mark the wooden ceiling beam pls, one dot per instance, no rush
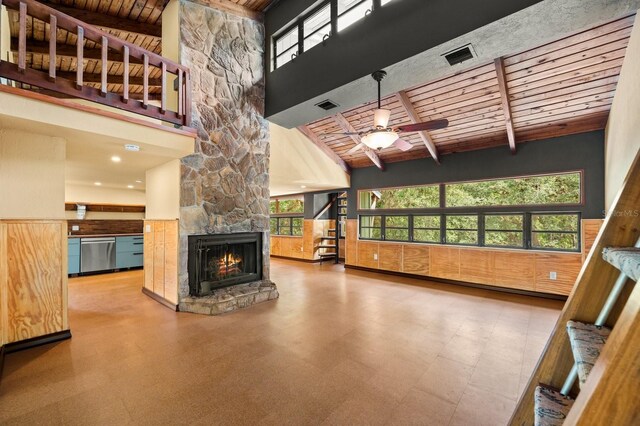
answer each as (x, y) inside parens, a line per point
(324, 148)
(506, 105)
(70, 51)
(347, 127)
(102, 20)
(413, 115)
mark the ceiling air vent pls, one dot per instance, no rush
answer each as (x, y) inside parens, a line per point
(460, 55)
(326, 105)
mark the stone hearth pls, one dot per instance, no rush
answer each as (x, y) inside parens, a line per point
(229, 299)
(225, 183)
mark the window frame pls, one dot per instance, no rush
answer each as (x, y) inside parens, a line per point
(523, 231)
(578, 231)
(302, 36)
(414, 227)
(290, 227)
(407, 228)
(478, 230)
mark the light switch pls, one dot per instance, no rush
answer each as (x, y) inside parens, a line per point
(553, 275)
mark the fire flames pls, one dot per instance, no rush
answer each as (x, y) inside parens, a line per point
(227, 264)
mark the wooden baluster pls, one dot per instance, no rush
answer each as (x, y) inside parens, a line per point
(187, 99)
(105, 65)
(163, 102)
(180, 92)
(53, 38)
(80, 56)
(145, 81)
(22, 38)
(125, 82)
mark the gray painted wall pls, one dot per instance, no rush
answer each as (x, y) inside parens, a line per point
(395, 32)
(584, 151)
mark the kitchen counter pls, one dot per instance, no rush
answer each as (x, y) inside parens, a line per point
(106, 235)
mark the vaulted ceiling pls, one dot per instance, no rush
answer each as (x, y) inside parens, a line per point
(560, 88)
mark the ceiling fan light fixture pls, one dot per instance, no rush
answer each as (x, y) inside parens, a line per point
(381, 117)
(380, 140)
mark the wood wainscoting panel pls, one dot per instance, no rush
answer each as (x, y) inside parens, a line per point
(368, 255)
(514, 269)
(285, 246)
(158, 258)
(590, 229)
(149, 253)
(390, 257)
(309, 231)
(415, 259)
(171, 261)
(566, 266)
(275, 246)
(351, 242)
(444, 262)
(34, 286)
(296, 246)
(476, 266)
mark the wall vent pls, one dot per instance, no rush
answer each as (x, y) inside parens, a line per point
(327, 105)
(460, 55)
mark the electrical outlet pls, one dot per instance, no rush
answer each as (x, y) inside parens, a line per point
(553, 275)
(375, 256)
(75, 227)
(147, 228)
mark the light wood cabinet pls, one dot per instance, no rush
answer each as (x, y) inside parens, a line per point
(161, 250)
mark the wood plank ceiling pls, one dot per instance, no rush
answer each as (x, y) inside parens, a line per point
(137, 21)
(560, 88)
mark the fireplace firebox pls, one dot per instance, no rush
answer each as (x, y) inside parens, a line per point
(223, 260)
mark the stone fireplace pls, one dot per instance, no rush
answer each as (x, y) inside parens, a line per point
(225, 183)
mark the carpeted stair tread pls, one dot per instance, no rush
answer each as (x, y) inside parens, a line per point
(587, 341)
(626, 259)
(551, 407)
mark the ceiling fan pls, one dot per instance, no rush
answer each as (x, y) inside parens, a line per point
(380, 135)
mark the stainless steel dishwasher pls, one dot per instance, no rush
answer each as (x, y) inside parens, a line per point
(97, 254)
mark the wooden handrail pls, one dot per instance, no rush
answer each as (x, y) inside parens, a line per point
(48, 80)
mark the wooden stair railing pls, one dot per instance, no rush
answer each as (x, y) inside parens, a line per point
(602, 320)
(76, 88)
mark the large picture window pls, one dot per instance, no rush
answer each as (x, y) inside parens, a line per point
(556, 189)
(286, 205)
(411, 197)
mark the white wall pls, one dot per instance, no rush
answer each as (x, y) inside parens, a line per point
(295, 162)
(622, 140)
(91, 194)
(163, 191)
(31, 175)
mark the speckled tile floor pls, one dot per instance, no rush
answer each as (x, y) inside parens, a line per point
(338, 347)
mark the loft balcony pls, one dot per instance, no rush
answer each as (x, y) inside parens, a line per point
(54, 55)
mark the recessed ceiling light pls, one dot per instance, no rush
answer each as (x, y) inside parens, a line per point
(97, 183)
(116, 159)
(132, 147)
(303, 186)
(130, 186)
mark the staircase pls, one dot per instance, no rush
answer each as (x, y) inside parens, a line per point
(589, 372)
(328, 242)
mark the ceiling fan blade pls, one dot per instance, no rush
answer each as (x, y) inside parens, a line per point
(427, 125)
(402, 145)
(354, 149)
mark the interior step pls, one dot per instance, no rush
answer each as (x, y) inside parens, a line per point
(328, 237)
(327, 254)
(627, 260)
(551, 407)
(587, 340)
(327, 246)
(331, 230)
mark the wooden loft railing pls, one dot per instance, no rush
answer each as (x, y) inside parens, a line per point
(76, 88)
